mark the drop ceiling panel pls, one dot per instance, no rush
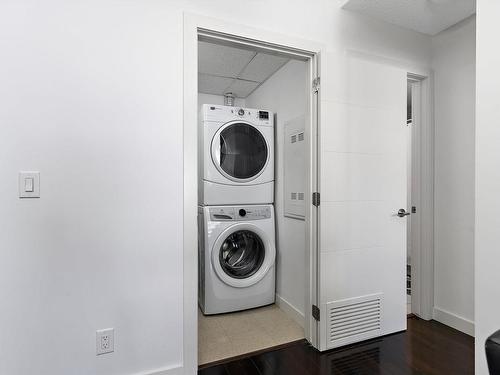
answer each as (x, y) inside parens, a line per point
(425, 16)
(209, 84)
(225, 69)
(262, 67)
(222, 60)
(241, 88)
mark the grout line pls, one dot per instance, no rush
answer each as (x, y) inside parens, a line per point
(239, 74)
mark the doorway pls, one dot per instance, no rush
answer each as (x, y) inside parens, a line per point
(236, 86)
(420, 202)
(333, 250)
(412, 170)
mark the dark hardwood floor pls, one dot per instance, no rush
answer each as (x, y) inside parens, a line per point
(425, 348)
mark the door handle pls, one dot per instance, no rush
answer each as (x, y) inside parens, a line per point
(402, 212)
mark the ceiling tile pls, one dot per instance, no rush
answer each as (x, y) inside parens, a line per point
(222, 60)
(262, 67)
(241, 88)
(208, 84)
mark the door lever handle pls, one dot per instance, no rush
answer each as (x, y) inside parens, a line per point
(402, 212)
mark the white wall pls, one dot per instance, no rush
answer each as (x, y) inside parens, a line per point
(91, 97)
(216, 99)
(454, 102)
(285, 93)
(487, 233)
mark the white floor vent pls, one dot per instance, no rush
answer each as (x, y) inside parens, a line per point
(354, 319)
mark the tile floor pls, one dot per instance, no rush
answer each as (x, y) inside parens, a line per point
(229, 335)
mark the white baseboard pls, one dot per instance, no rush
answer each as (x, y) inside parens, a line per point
(179, 370)
(290, 310)
(454, 321)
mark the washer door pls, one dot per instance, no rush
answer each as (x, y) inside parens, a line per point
(240, 151)
(242, 255)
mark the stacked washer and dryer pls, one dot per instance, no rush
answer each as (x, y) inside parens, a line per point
(237, 248)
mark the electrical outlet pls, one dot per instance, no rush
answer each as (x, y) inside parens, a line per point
(105, 341)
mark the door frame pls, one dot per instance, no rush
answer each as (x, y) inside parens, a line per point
(422, 226)
(196, 26)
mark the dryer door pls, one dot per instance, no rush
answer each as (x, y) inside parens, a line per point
(242, 255)
(240, 151)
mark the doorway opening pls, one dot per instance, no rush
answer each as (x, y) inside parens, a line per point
(420, 140)
(412, 209)
(337, 293)
(256, 174)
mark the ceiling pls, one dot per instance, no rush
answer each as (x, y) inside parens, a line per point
(223, 69)
(425, 16)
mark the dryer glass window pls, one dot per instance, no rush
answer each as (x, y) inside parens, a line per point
(242, 254)
(243, 151)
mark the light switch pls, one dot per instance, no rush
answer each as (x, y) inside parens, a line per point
(29, 184)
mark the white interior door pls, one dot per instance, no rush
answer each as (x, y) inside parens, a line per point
(363, 184)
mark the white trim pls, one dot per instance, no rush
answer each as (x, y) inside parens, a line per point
(414, 220)
(290, 310)
(280, 42)
(164, 371)
(317, 69)
(422, 257)
(458, 322)
(427, 198)
(190, 209)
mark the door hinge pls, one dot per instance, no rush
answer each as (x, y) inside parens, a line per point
(315, 312)
(316, 199)
(316, 84)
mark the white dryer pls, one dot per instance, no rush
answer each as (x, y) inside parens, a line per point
(236, 149)
(237, 253)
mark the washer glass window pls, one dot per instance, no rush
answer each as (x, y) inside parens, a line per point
(243, 151)
(242, 254)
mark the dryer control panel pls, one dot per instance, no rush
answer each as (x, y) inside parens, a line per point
(223, 113)
(243, 213)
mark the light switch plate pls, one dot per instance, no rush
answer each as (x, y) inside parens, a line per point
(29, 184)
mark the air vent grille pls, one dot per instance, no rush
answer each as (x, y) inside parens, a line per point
(354, 319)
(300, 137)
(293, 138)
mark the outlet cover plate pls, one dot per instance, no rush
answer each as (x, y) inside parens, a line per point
(105, 341)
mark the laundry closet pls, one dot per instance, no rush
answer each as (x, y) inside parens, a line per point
(253, 108)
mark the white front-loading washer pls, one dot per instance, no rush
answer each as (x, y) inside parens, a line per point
(236, 150)
(237, 253)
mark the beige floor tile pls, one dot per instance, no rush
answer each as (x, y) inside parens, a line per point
(228, 335)
(252, 341)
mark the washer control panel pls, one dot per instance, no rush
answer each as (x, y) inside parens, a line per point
(245, 213)
(212, 112)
